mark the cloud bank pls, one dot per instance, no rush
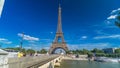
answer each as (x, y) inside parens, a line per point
(28, 37)
(108, 36)
(89, 46)
(114, 14)
(5, 41)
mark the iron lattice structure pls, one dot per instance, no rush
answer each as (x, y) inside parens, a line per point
(59, 41)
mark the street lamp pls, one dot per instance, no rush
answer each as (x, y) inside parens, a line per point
(21, 42)
(0, 45)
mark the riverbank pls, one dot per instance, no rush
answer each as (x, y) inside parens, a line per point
(81, 57)
(86, 64)
(98, 59)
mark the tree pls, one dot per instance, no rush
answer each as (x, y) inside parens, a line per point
(90, 54)
(16, 49)
(43, 51)
(117, 51)
(85, 51)
(23, 50)
(29, 51)
(117, 22)
(69, 52)
(97, 51)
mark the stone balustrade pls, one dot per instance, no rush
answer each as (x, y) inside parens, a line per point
(27, 62)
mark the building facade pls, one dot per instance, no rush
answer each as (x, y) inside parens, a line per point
(109, 50)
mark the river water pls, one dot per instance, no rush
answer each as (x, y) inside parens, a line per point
(86, 64)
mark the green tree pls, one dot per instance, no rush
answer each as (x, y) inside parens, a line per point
(69, 52)
(97, 51)
(117, 51)
(23, 50)
(16, 49)
(117, 22)
(30, 51)
(90, 54)
(100, 54)
(85, 51)
(74, 51)
(43, 51)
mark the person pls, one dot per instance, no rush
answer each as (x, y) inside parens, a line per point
(30, 54)
(77, 56)
(24, 54)
(20, 54)
(36, 54)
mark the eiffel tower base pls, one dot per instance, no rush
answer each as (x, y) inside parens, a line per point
(56, 46)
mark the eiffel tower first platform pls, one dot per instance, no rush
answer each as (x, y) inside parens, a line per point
(59, 41)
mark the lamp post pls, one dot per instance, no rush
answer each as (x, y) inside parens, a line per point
(0, 45)
(21, 42)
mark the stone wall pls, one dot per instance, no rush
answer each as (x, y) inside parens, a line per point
(26, 62)
(3, 61)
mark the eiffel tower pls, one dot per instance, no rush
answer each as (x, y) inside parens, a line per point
(59, 41)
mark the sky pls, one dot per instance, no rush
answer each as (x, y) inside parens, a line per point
(86, 23)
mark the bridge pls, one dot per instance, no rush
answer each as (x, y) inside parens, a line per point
(43, 61)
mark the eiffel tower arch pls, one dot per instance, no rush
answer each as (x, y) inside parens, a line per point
(59, 41)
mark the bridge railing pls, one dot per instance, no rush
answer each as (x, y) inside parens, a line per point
(27, 62)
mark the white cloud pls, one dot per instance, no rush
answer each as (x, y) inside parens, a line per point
(5, 41)
(47, 48)
(28, 38)
(36, 46)
(46, 39)
(100, 32)
(109, 36)
(1, 6)
(115, 11)
(73, 46)
(112, 17)
(17, 46)
(114, 14)
(84, 37)
(51, 32)
(88, 46)
(108, 22)
(8, 42)
(32, 46)
(28, 47)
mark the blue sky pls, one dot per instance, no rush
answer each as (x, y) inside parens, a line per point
(86, 23)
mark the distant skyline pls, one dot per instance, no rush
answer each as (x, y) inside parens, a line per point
(86, 23)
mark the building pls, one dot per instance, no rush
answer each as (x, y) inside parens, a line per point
(8, 53)
(2, 52)
(11, 53)
(109, 50)
(3, 58)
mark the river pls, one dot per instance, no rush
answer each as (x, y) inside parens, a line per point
(86, 64)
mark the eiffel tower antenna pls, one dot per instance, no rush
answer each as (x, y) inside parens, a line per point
(59, 28)
(60, 2)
